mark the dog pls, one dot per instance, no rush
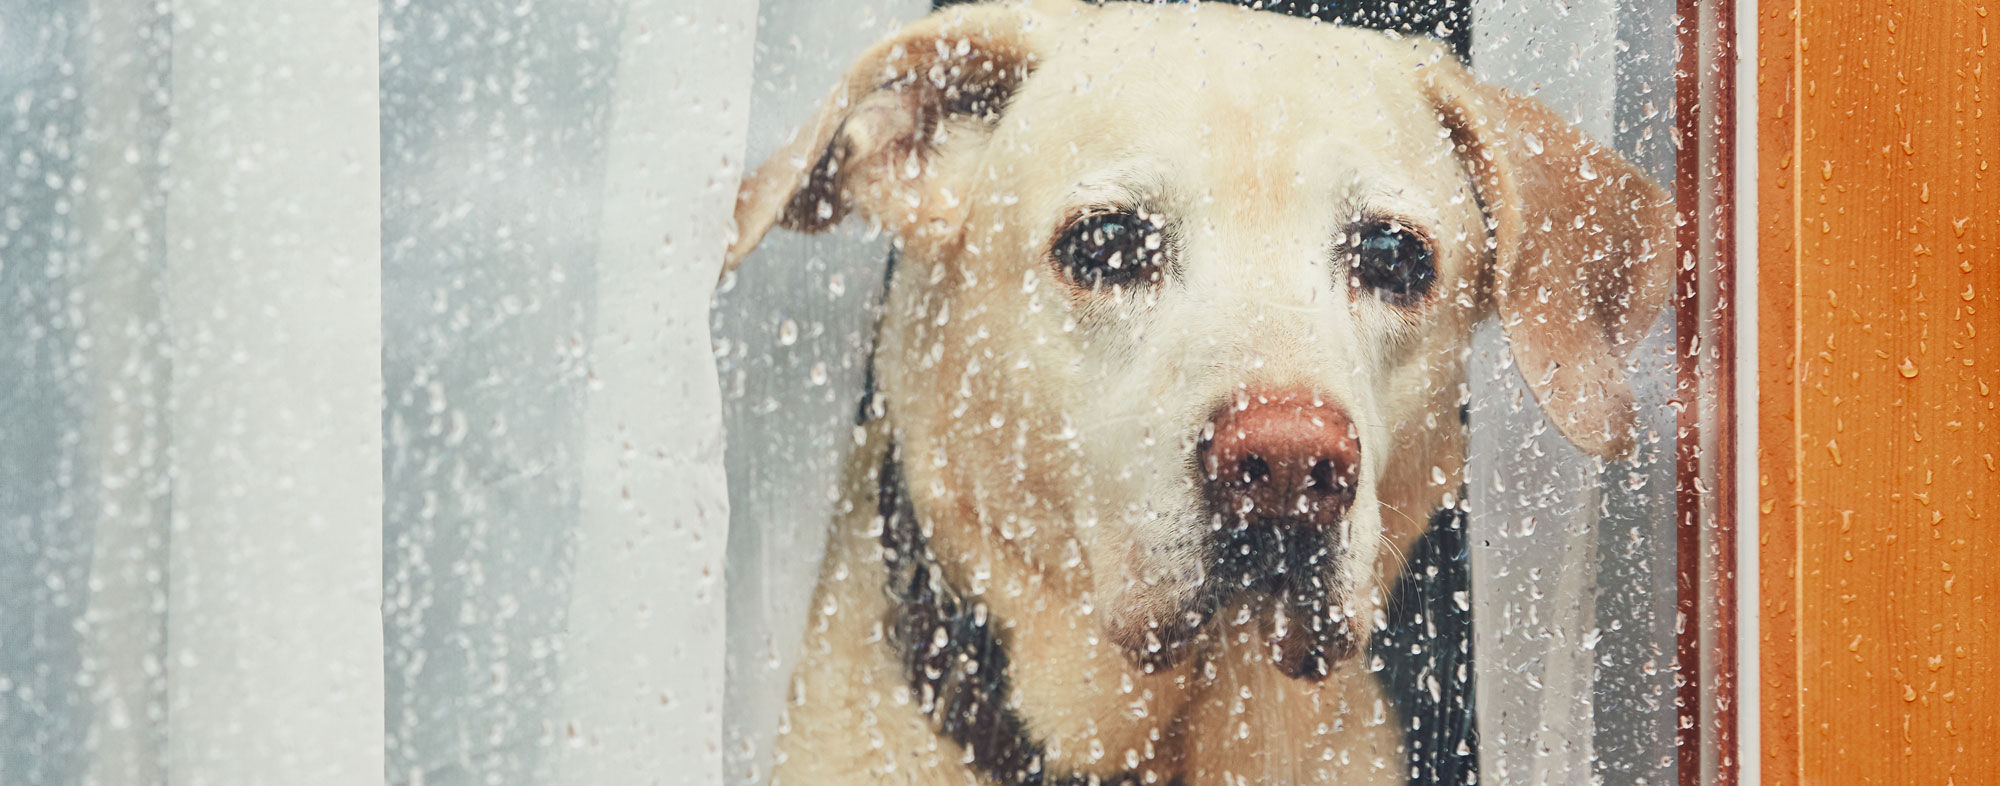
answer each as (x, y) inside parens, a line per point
(1167, 380)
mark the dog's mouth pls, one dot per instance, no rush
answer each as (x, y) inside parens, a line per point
(1281, 574)
(1287, 575)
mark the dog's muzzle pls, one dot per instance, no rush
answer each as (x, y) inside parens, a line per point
(1279, 473)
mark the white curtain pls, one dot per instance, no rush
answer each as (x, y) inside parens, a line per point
(643, 688)
(272, 308)
(359, 420)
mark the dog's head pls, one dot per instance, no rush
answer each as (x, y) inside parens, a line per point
(1184, 289)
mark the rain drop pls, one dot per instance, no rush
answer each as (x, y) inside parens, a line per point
(1533, 142)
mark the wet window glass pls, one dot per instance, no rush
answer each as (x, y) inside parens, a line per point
(795, 392)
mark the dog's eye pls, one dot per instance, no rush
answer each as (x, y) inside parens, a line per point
(1114, 248)
(1396, 263)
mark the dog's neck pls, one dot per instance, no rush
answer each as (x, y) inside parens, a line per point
(953, 654)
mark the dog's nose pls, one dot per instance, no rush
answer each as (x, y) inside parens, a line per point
(1280, 457)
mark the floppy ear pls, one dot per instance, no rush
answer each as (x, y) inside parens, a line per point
(1583, 256)
(871, 147)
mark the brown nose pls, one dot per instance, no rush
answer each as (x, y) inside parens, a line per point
(1285, 457)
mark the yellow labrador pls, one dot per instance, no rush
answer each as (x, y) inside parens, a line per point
(1169, 372)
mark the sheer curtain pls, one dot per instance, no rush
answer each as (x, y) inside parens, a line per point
(358, 419)
(643, 689)
(273, 323)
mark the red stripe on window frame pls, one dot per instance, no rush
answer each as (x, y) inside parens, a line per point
(1705, 370)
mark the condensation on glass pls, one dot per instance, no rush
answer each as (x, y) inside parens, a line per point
(369, 388)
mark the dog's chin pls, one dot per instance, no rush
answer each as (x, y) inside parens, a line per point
(1306, 638)
(1291, 580)
(1283, 576)
(1306, 633)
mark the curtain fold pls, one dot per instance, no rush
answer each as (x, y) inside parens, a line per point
(121, 243)
(643, 665)
(272, 305)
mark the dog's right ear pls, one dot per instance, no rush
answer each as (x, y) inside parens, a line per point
(1583, 252)
(870, 149)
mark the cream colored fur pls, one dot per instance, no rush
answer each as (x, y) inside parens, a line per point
(1045, 430)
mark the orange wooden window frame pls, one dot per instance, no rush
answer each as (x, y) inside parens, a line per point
(1879, 220)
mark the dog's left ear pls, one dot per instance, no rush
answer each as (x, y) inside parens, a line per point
(1583, 256)
(872, 147)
